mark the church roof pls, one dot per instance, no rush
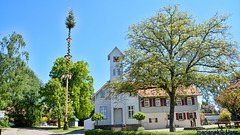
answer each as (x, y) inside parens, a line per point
(154, 92)
(112, 52)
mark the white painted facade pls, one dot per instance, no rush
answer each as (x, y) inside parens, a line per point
(119, 111)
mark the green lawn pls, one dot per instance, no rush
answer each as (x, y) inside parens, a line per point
(69, 130)
(3, 130)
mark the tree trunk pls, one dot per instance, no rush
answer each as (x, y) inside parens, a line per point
(235, 116)
(172, 105)
(59, 123)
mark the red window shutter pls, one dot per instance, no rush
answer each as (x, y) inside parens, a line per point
(150, 120)
(175, 101)
(142, 103)
(154, 102)
(188, 116)
(165, 102)
(162, 102)
(186, 101)
(156, 120)
(182, 101)
(177, 116)
(150, 100)
(184, 116)
(193, 102)
(195, 115)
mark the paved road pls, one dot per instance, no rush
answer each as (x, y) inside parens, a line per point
(36, 131)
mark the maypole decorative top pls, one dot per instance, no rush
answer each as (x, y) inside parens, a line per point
(70, 20)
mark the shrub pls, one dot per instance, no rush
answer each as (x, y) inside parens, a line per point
(140, 129)
(97, 117)
(139, 116)
(4, 122)
(225, 115)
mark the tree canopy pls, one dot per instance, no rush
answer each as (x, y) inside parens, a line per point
(19, 86)
(80, 85)
(54, 98)
(170, 50)
(230, 99)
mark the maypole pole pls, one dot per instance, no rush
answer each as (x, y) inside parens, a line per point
(69, 24)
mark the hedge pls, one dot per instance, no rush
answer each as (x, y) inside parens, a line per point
(193, 132)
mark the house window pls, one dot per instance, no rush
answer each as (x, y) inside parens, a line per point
(157, 100)
(153, 120)
(168, 102)
(114, 72)
(180, 116)
(179, 101)
(190, 115)
(130, 111)
(146, 102)
(118, 71)
(103, 110)
(102, 94)
(189, 101)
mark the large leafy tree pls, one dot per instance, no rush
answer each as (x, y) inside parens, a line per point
(54, 98)
(19, 86)
(80, 85)
(170, 50)
(230, 99)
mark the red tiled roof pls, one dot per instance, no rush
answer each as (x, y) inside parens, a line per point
(234, 84)
(154, 92)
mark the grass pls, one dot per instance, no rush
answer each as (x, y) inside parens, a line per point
(69, 130)
(3, 130)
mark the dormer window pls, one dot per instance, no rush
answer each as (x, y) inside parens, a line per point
(115, 59)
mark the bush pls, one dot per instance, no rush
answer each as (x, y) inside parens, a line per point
(62, 123)
(225, 115)
(140, 129)
(4, 122)
(97, 117)
(139, 116)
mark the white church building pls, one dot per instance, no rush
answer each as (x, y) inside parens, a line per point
(118, 113)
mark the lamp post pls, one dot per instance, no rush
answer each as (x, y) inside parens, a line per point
(69, 24)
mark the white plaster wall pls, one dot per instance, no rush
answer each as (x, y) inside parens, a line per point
(131, 101)
(163, 121)
(113, 64)
(103, 102)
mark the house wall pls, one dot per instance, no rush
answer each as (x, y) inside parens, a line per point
(162, 121)
(103, 102)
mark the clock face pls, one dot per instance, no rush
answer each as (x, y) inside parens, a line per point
(115, 59)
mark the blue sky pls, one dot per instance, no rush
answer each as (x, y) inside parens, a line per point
(101, 25)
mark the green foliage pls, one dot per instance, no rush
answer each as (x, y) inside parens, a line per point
(226, 115)
(4, 122)
(70, 20)
(140, 129)
(19, 86)
(139, 116)
(97, 117)
(80, 85)
(54, 98)
(230, 99)
(108, 132)
(170, 50)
